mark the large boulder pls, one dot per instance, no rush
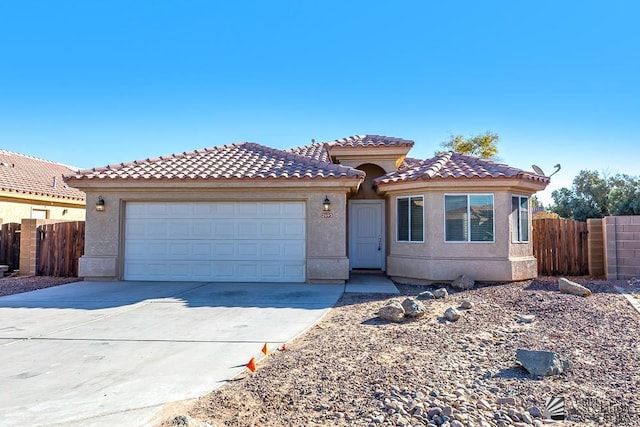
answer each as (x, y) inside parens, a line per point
(413, 308)
(542, 363)
(392, 311)
(451, 314)
(463, 283)
(569, 287)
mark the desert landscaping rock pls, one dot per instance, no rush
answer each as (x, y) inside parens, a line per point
(392, 312)
(568, 287)
(542, 363)
(526, 318)
(451, 314)
(362, 370)
(506, 401)
(441, 293)
(426, 295)
(466, 304)
(187, 421)
(463, 283)
(413, 308)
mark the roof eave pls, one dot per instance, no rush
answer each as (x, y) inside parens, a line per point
(526, 184)
(123, 183)
(37, 198)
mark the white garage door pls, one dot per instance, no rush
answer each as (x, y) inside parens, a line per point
(222, 241)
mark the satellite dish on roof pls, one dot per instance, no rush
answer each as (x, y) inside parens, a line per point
(538, 170)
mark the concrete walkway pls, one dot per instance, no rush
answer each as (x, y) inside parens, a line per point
(103, 354)
(370, 283)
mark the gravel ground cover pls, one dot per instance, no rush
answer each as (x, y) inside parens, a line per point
(16, 285)
(352, 368)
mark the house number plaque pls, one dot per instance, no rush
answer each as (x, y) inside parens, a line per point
(326, 214)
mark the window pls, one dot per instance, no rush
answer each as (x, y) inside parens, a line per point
(468, 218)
(519, 219)
(410, 219)
(39, 214)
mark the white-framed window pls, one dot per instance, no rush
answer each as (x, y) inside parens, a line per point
(39, 213)
(469, 218)
(410, 219)
(519, 219)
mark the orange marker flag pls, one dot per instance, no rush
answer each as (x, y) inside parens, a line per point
(265, 349)
(252, 365)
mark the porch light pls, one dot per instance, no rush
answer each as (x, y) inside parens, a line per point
(100, 204)
(326, 205)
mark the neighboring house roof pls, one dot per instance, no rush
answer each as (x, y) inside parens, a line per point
(237, 161)
(453, 165)
(35, 177)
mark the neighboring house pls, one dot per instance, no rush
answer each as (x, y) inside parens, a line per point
(32, 188)
(246, 212)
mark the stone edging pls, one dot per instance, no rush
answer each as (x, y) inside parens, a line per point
(632, 300)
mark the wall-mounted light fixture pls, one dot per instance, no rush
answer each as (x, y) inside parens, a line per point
(100, 204)
(326, 205)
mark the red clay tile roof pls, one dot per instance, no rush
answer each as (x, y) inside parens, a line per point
(237, 161)
(37, 177)
(409, 162)
(453, 165)
(316, 151)
(371, 140)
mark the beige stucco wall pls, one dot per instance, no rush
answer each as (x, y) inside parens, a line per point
(17, 210)
(438, 260)
(327, 260)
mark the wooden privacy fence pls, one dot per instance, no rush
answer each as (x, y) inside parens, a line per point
(10, 245)
(59, 246)
(560, 246)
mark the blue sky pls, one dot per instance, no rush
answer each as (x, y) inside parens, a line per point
(94, 83)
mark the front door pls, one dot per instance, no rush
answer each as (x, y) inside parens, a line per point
(366, 234)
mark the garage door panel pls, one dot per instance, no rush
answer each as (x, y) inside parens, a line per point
(246, 230)
(291, 271)
(228, 241)
(293, 250)
(293, 210)
(258, 271)
(227, 250)
(293, 230)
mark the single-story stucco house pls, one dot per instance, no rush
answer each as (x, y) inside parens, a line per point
(32, 188)
(246, 212)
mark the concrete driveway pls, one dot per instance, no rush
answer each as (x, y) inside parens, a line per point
(113, 353)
